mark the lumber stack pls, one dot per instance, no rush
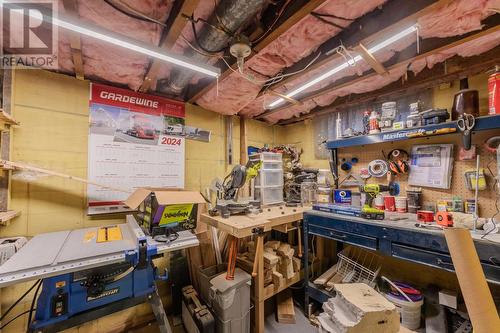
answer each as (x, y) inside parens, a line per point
(280, 264)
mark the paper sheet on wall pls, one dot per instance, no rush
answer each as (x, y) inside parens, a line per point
(431, 166)
(135, 140)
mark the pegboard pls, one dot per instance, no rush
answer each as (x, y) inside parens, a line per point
(486, 198)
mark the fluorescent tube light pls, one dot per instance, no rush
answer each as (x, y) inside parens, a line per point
(132, 46)
(77, 26)
(343, 66)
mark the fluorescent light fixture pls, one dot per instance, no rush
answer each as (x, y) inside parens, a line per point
(343, 66)
(122, 41)
(132, 46)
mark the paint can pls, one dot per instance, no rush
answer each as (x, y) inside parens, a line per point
(494, 92)
(470, 206)
(390, 203)
(342, 197)
(379, 202)
(401, 204)
(414, 201)
(356, 199)
(425, 216)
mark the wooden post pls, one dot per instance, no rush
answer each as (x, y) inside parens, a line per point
(5, 138)
(259, 288)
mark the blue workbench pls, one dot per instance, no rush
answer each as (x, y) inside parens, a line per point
(399, 239)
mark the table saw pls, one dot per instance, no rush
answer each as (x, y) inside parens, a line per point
(92, 272)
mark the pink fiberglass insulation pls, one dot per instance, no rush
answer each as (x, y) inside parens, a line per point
(108, 62)
(469, 19)
(456, 18)
(296, 43)
(372, 83)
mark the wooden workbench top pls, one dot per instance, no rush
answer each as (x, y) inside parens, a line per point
(241, 226)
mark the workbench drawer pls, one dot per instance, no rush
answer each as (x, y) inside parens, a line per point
(422, 256)
(439, 260)
(345, 237)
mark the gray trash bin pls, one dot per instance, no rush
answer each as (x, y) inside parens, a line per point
(230, 301)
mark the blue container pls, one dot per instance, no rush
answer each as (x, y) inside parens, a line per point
(342, 197)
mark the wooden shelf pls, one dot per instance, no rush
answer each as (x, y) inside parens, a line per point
(270, 290)
(7, 118)
(5, 217)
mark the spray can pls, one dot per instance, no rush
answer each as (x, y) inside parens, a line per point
(374, 126)
(338, 127)
(494, 92)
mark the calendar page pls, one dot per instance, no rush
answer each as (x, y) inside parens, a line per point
(135, 140)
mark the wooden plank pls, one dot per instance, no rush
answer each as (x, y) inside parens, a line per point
(303, 10)
(370, 59)
(432, 46)
(8, 215)
(285, 311)
(259, 290)
(22, 166)
(454, 69)
(7, 118)
(327, 275)
(5, 137)
(174, 32)
(74, 40)
(242, 225)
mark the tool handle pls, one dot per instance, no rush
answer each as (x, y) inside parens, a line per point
(466, 140)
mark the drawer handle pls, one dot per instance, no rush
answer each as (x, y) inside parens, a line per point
(332, 234)
(441, 262)
(495, 261)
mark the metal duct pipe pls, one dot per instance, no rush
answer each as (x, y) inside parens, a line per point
(233, 15)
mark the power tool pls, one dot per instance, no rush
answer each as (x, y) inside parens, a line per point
(227, 191)
(372, 190)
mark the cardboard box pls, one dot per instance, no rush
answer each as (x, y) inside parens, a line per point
(9, 246)
(161, 211)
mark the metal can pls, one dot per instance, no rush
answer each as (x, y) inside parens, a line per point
(494, 92)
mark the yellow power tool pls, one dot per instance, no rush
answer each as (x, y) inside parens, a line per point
(372, 190)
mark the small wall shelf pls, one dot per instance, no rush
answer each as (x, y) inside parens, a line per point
(482, 124)
(7, 118)
(5, 217)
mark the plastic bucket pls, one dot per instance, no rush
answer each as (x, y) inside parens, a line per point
(410, 311)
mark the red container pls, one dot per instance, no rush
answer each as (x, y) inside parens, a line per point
(425, 216)
(390, 203)
(494, 93)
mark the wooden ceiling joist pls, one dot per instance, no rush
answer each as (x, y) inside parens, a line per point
(427, 47)
(74, 40)
(392, 17)
(184, 7)
(370, 59)
(293, 14)
(454, 69)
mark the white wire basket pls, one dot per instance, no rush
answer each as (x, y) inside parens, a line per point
(358, 265)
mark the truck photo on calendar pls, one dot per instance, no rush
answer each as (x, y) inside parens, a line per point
(135, 140)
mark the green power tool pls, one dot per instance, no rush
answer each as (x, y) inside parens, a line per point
(372, 190)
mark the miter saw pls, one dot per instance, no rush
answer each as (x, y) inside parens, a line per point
(227, 200)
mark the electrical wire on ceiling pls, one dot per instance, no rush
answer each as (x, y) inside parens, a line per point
(280, 13)
(133, 13)
(321, 17)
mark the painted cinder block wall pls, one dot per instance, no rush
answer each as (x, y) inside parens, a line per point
(53, 112)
